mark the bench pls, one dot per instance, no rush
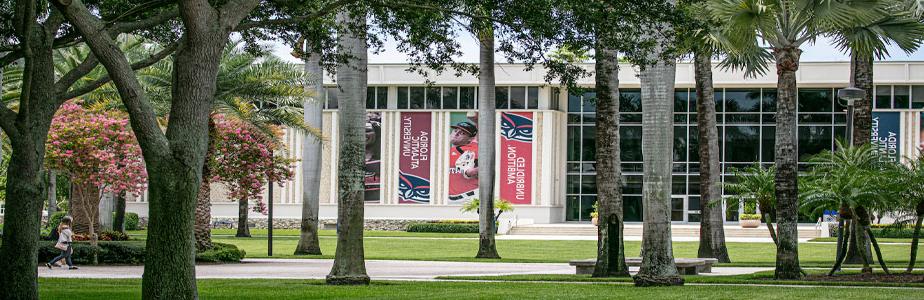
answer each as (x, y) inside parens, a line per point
(685, 266)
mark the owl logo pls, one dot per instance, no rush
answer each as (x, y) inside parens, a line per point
(413, 188)
(516, 127)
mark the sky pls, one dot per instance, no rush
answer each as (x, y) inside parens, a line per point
(821, 50)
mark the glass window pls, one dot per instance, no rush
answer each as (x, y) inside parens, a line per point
(681, 100)
(693, 98)
(587, 206)
(574, 208)
(433, 98)
(574, 143)
(403, 95)
(768, 100)
(501, 97)
(589, 147)
(632, 208)
(370, 97)
(694, 185)
(573, 186)
(467, 98)
(680, 143)
(633, 184)
(718, 100)
(450, 97)
(630, 143)
(381, 97)
(532, 94)
(742, 143)
(554, 96)
(588, 184)
(590, 101)
(332, 95)
(742, 118)
(517, 97)
(768, 141)
(815, 100)
(883, 96)
(901, 96)
(630, 100)
(418, 98)
(693, 203)
(813, 140)
(574, 103)
(917, 96)
(679, 185)
(840, 133)
(742, 100)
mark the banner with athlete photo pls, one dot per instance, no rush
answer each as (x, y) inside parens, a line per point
(414, 160)
(516, 159)
(373, 176)
(463, 157)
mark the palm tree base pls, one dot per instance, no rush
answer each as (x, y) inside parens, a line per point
(347, 279)
(309, 251)
(644, 280)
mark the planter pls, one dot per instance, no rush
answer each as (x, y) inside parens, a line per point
(594, 221)
(749, 223)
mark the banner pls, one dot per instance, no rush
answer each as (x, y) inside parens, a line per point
(414, 162)
(886, 135)
(463, 157)
(516, 157)
(373, 176)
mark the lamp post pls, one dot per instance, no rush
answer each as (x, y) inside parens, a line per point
(851, 95)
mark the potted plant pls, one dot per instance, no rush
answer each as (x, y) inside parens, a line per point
(750, 218)
(593, 215)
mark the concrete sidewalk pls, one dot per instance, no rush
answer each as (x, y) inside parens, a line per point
(319, 268)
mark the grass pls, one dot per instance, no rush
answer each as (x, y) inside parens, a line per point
(756, 278)
(742, 254)
(85, 289)
(880, 240)
(295, 233)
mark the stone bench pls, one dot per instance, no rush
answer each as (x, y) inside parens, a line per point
(685, 266)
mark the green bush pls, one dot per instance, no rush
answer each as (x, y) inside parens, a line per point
(113, 236)
(55, 219)
(132, 221)
(443, 227)
(749, 217)
(454, 222)
(221, 253)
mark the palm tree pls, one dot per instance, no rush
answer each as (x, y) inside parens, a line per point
(255, 88)
(850, 177)
(657, 81)
(785, 25)
(754, 184)
(349, 262)
(311, 158)
(483, 28)
(911, 178)
(895, 24)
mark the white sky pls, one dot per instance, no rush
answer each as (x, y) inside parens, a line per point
(822, 50)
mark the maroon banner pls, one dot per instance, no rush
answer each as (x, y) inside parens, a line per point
(414, 159)
(516, 159)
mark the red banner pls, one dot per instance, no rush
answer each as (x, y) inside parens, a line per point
(516, 159)
(414, 160)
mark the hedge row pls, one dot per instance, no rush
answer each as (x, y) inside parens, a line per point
(443, 227)
(131, 253)
(454, 222)
(132, 220)
(887, 232)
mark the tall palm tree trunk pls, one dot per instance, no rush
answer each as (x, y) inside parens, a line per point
(711, 225)
(486, 142)
(657, 81)
(611, 256)
(118, 221)
(311, 159)
(349, 262)
(202, 229)
(861, 77)
(52, 184)
(787, 194)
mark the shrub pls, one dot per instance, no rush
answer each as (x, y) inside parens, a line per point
(749, 217)
(221, 253)
(55, 219)
(113, 236)
(443, 227)
(454, 222)
(132, 221)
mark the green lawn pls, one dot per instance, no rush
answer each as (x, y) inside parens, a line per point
(756, 278)
(85, 289)
(295, 233)
(880, 240)
(742, 254)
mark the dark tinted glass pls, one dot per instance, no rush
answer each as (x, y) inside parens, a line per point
(630, 143)
(467, 98)
(742, 100)
(883, 96)
(630, 100)
(815, 100)
(418, 99)
(434, 98)
(590, 102)
(813, 140)
(450, 95)
(517, 97)
(402, 97)
(501, 96)
(332, 95)
(769, 100)
(533, 98)
(742, 143)
(681, 100)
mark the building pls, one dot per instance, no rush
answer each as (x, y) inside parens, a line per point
(416, 163)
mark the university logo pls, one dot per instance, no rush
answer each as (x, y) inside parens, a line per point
(413, 188)
(516, 127)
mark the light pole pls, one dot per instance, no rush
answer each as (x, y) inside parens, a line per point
(851, 95)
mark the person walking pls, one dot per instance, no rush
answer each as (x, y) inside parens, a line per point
(65, 241)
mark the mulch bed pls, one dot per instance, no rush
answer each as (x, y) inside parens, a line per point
(875, 277)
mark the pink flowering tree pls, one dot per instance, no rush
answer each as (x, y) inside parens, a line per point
(245, 159)
(99, 153)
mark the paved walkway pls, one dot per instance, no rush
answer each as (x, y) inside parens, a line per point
(377, 269)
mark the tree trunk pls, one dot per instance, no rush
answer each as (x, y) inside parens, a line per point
(86, 209)
(104, 210)
(243, 212)
(52, 184)
(787, 194)
(487, 248)
(711, 225)
(349, 261)
(841, 248)
(119, 220)
(914, 242)
(657, 81)
(611, 256)
(862, 224)
(311, 159)
(853, 255)
(769, 222)
(861, 69)
(203, 226)
(872, 239)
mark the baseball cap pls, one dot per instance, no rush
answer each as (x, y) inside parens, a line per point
(467, 126)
